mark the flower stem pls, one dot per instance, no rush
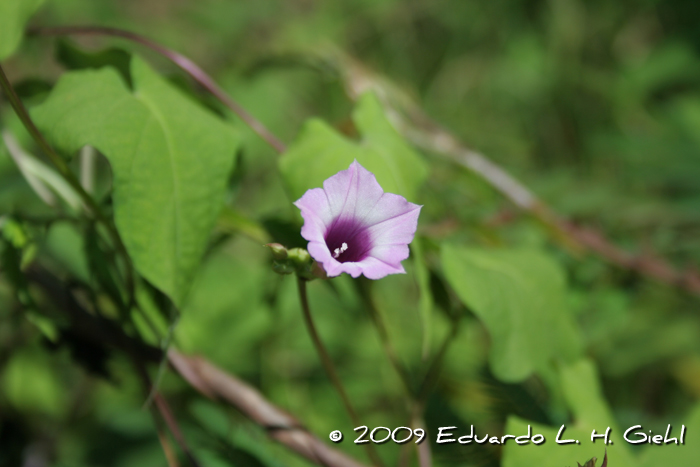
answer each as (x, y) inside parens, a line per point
(364, 288)
(433, 372)
(417, 399)
(65, 171)
(328, 365)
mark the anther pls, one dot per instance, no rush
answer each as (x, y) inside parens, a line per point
(340, 250)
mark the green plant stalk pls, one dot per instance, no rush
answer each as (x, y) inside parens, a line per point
(418, 403)
(417, 398)
(65, 171)
(329, 366)
(363, 286)
(433, 372)
(165, 346)
(166, 413)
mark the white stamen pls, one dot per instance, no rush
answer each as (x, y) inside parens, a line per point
(340, 250)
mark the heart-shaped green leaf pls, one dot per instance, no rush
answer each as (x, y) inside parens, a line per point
(520, 297)
(584, 396)
(320, 152)
(170, 159)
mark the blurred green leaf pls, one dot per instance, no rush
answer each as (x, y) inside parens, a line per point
(31, 384)
(10, 261)
(228, 440)
(225, 306)
(320, 152)
(65, 244)
(17, 252)
(519, 295)
(170, 159)
(13, 232)
(231, 221)
(677, 455)
(13, 16)
(212, 417)
(590, 412)
(584, 396)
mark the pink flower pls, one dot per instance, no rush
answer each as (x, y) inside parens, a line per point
(353, 226)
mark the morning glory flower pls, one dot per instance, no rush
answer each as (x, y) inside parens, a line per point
(353, 226)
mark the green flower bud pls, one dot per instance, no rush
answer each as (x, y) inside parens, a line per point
(299, 256)
(295, 260)
(279, 252)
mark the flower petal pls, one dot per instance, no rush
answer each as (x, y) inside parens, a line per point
(374, 268)
(316, 213)
(352, 193)
(393, 221)
(319, 251)
(390, 254)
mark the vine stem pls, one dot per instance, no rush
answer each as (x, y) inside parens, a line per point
(65, 171)
(363, 286)
(417, 398)
(436, 366)
(168, 452)
(166, 414)
(329, 366)
(182, 62)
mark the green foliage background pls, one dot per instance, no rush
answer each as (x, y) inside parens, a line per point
(593, 105)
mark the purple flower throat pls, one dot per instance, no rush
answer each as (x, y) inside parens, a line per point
(348, 240)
